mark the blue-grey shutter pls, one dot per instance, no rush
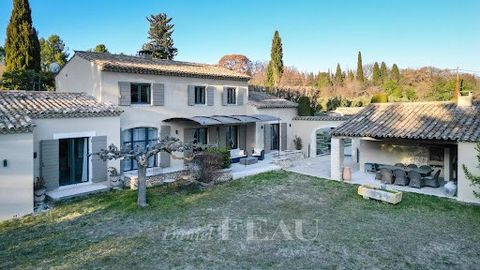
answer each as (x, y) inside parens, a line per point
(267, 138)
(124, 89)
(283, 136)
(158, 94)
(222, 136)
(99, 167)
(164, 157)
(242, 137)
(213, 135)
(191, 95)
(49, 163)
(211, 95)
(225, 96)
(240, 95)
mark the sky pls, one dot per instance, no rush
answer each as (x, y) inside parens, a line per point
(316, 35)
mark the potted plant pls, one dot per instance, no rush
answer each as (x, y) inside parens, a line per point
(115, 180)
(297, 141)
(39, 190)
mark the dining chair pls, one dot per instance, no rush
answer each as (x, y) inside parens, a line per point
(412, 166)
(416, 180)
(401, 178)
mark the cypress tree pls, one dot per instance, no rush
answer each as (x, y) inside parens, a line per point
(395, 73)
(383, 72)
(22, 48)
(160, 42)
(338, 74)
(351, 76)
(360, 75)
(376, 76)
(275, 66)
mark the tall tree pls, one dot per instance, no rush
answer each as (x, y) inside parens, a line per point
(376, 76)
(22, 48)
(351, 76)
(160, 42)
(360, 75)
(52, 50)
(395, 73)
(236, 62)
(338, 74)
(275, 66)
(2, 54)
(100, 48)
(383, 72)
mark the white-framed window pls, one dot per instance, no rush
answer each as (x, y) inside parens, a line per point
(140, 93)
(231, 95)
(199, 94)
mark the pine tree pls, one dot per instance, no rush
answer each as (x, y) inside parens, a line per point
(160, 42)
(100, 48)
(338, 74)
(275, 66)
(383, 72)
(360, 76)
(22, 48)
(376, 76)
(395, 73)
(52, 50)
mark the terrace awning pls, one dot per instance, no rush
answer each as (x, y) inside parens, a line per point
(225, 119)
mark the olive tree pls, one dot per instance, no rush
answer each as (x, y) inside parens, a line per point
(141, 155)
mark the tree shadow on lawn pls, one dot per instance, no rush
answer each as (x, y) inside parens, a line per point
(107, 230)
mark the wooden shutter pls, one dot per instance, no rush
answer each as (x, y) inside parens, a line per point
(191, 95)
(222, 136)
(124, 89)
(158, 94)
(240, 96)
(283, 136)
(267, 138)
(225, 96)
(99, 167)
(211, 95)
(164, 157)
(213, 135)
(49, 163)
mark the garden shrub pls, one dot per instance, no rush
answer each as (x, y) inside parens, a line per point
(224, 152)
(208, 166)
(297, 141)
(379, 98)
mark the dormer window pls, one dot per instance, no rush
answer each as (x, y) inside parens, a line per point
(140, 93)
(231, 95)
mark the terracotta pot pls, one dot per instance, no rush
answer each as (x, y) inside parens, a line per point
(347, 174)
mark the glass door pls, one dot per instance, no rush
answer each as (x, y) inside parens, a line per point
(73, 161)
(275, 130)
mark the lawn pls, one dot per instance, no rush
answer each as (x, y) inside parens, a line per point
(248, 223)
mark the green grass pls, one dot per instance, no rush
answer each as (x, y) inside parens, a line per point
(109, 231)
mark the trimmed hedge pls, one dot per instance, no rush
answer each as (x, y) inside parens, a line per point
(225, 152)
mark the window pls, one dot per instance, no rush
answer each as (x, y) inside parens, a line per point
(231, 96)
(140, 93)
(200, 135)
(199, 94)
(138, 137)
(232, 137)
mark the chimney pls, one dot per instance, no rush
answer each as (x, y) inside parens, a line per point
(464, 99)
(145, 54)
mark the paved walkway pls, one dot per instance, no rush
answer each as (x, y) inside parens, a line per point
(320, 167)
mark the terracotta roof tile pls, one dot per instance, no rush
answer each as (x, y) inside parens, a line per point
(415, 120)
(142, 65)
(18, 108)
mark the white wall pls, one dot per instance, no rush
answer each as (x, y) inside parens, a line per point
(79, 75)
(307, 131)
(16, 180)
(47, 129)
(467, 155)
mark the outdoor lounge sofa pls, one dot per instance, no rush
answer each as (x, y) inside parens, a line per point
(259, 154)
(236, 155)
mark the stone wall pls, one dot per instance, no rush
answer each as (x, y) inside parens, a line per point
(155, 180)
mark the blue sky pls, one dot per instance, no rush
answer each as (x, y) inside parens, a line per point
(316, 34)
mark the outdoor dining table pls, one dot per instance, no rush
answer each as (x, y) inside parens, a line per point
(423, 172)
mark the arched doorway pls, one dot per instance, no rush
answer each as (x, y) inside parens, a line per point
(322, 142)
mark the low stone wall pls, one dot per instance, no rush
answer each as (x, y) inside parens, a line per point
(292, 155)
(155, 180)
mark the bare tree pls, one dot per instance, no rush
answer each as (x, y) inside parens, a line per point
(168, 145)
(236, 62)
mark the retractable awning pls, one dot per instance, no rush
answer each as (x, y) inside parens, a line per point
(225, 119)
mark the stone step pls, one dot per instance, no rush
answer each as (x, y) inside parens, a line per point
(66, 193)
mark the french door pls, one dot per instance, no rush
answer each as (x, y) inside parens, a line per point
(73, 161)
